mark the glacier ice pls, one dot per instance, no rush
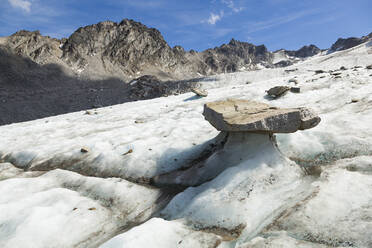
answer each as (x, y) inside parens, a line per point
(52, 195)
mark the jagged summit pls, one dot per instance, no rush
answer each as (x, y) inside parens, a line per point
(343, 44)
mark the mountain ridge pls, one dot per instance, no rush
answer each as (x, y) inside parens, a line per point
(129, 49)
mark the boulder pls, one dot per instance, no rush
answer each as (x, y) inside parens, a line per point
(295, 89)
(277, 91)
(249, 116)
(199, 92)
(319, 71)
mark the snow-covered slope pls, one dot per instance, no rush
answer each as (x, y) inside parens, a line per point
(56, 194)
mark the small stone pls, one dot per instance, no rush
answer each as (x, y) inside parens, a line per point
(278, 91)
(336, 73)
(88, 112)
(354, 100)
(90, 209)
(319, 71)
(369, 67)
(128, 152)
(343, 68)
(295, 89)
(84, 150)
(138, 121)
(199, 92)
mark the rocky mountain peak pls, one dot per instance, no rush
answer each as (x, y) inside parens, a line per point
(127, 44)
(343, 44)
(307, 51)
(235, 55)
(31, 44)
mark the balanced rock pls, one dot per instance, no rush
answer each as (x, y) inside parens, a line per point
(248, 116)
(278, 91)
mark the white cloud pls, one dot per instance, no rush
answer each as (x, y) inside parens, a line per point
(213, 18)
(230, 4)
(22, 4)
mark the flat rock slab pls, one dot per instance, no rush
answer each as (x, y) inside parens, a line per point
(200, 92)
(248, 116)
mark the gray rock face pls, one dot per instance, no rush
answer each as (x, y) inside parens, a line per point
(40, 49)
(148, 87)
(343, 44)
(278, 91)
(248, 116)
(234, 55)
(305, 51)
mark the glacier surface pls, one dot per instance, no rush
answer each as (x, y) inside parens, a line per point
(313, 190)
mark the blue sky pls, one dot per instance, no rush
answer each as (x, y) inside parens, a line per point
(201, 24)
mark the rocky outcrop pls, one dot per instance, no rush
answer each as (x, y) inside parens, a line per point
(40, 49)
(236, 55)
(343, 44)
(125, 49)
(305, 51)
(148, 87)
